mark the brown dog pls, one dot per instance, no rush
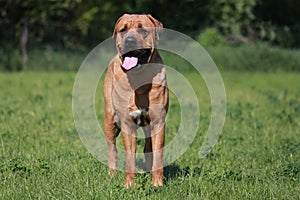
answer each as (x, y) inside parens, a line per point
(136, 94)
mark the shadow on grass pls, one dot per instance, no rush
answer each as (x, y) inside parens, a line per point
(173, 171)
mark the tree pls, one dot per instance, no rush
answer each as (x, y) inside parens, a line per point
(233, 17)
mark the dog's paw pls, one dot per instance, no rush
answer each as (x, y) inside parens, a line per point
(111, 173)
(139, 116)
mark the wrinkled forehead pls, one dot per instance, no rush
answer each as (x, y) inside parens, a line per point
(134, 21)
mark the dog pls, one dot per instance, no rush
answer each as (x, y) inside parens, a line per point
(136, 95)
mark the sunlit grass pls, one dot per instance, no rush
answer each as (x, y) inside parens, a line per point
(257, 156)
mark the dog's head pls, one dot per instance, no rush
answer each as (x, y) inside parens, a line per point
(136, 38)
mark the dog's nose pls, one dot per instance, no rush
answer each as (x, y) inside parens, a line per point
(130, 41)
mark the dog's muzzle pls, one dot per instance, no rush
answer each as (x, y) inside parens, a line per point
(130, 43)
(133, 55)
(135, 58)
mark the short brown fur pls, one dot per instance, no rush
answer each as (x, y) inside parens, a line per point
(143, 88)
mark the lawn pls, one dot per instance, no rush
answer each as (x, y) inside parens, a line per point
(257, 155)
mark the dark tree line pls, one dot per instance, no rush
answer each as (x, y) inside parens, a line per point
(80, 23)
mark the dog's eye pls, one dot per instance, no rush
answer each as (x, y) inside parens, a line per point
(143, 31)
(123, 30)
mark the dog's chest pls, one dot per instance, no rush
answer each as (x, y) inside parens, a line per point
(131, 90)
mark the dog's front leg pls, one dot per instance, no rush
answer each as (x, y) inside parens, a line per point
(157, 138)
(129, 140)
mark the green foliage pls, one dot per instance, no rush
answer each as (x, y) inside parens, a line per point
(67, 23)
(46, 58)
(257, 156)
(10, 60)
(77, 23)
(283, 36)
(259, 57)
(256, 58)
(85, 20)
(211, 37)
(283, 19)
(49, 58)
(233, 16)
(268, 32)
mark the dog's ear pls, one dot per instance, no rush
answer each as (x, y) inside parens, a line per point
(158, 25)
(117, 24)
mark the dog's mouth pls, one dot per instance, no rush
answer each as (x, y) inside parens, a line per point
(135, 58)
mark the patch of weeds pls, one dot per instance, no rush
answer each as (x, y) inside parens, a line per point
(290, 171)
(236, 140)
(20, 166)
(47, 120)
(8, 111)
(287, 110)
(37, 98)
(256, 124)
(289, 146)
(223, 173)
(271, 97)
(6, 135)
(3, 167)
(43, 166)
(284, 115)
(25, 167)
(240, 111)
(294, 110)
(196, 171)
(214, 155)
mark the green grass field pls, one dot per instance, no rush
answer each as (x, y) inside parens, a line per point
(257, 156)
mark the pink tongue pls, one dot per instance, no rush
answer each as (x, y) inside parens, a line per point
(129, 62)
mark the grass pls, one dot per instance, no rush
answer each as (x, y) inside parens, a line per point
(257, 156)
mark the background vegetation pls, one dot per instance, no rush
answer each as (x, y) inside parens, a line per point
(55, 27)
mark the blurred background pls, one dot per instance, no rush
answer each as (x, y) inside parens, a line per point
(239, 34)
